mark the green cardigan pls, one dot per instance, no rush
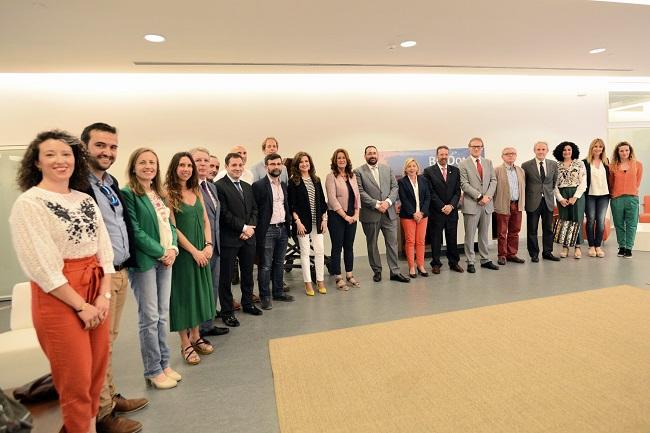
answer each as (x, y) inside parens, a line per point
(145, 230)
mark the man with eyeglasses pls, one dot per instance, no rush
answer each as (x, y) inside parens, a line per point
(509, 202)
(101, 144)
(478, 182)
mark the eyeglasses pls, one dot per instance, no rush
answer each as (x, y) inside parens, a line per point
(112, 198)
(478, 146)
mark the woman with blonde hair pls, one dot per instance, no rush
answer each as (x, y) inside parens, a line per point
(598, 190)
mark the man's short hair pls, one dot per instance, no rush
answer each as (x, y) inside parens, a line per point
(267, 139)
(271, 157)
(476, 139)
(232, 155)
(441, 147)
(368, 147)
(98, 126)
(200, 149)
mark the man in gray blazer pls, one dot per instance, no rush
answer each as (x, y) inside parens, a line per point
(201, 158)
(378, 192)
(479, 183)
(541, 177)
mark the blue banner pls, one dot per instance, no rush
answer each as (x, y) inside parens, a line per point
(425, 158)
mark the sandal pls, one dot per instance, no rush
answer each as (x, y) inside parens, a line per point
(340, 284)
(190, 355)
(352, 282)
(202, 346)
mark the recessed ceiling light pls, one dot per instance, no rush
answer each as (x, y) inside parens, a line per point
(408, 44)
(631, 2)
(597, 50)
(154, 38)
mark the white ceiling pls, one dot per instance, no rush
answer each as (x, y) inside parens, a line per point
(268, 36)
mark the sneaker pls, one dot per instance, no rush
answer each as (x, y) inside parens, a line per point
(628, 253)
(621, 252)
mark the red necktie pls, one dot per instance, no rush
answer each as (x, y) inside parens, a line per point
(479, 168)
(444, 173)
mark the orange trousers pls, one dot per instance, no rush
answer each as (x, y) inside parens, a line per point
(78, 357)
(414, 235)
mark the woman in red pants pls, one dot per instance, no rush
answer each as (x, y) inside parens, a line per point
(63, 247)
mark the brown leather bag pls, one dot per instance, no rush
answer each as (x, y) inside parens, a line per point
(37, 391)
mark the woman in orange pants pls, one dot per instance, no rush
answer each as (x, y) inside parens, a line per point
(63, 246)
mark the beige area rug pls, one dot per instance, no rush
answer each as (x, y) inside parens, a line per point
(572, 363)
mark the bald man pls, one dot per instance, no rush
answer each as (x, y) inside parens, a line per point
(509, 202)
(247, 175)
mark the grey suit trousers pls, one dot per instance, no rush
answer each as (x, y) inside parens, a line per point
(481, 221)
(388, 228)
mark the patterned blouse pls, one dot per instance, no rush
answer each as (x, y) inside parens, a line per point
(311, 192)
(573, 176)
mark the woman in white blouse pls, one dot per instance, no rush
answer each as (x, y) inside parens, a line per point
(598, 191)
(63, 246)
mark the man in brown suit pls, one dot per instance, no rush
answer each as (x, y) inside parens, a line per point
(508, 205)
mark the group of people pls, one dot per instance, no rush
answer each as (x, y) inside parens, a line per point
(81, 238)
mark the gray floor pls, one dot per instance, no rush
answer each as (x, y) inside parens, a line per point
(232, 390)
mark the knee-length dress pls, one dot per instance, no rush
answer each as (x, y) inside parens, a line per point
(192, 299)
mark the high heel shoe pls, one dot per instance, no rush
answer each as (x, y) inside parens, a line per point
(423, 273)
(165, 383)
(309, 290)
(599, 252)
(591, 252)
(172, 374)
(322, 290)
(577, 253)
(564, 253)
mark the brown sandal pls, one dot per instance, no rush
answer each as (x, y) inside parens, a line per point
(340, 284)
(203, 346)
(190, 355)
(352, 282)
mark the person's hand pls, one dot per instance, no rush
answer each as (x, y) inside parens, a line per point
(446, 209)
(300, 228)
(89, 316)
(200, 258)
(249, 231)
(169, 258)
(573, 200)
(102, 304)
(564, 202)
(207, 250)
(485, 200)
(323, 226)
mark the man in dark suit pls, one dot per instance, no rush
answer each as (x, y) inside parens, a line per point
(272, 232)
(444, 180)
(541, 176)
(237, 225)
(201, 158)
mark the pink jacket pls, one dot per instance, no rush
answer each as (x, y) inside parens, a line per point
(337, 192)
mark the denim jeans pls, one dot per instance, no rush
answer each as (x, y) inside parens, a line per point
(595, 210)
(271, 270)
(152, 291)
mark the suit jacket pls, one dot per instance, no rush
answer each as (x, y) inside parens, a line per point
(236, 211)
(264, 200)
(502, 197)
(534, 186)
(299, 203)
(473, 186)
(214, 213)
(130, 262)
(370, 192)
(146, 231)
(407, 196)
(444, 192)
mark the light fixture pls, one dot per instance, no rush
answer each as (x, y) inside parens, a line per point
(407, 44)
(631, 2)
(597, 50)
(154, 38)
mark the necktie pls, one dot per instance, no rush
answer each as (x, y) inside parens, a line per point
(479, 168)
(204, 186)
(238, 186)
(375, 174)
(444, 173)
(542, 172)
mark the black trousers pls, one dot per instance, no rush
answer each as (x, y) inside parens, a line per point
(246, 255)
(532, 221)
(439, 223)
(342, 236)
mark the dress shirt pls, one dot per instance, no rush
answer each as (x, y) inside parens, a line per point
(278, 216)
(113, 218)
(537, 161)
(374, 169)
(416, 190)
(513, 182)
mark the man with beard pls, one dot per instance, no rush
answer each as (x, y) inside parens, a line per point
(100, 140)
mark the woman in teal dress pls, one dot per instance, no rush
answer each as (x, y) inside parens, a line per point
(192, 299)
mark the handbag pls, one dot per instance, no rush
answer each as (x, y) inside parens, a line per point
(36, 391)
(14, 417)
(566, 232)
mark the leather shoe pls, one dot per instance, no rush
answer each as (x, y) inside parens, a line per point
(435, 269)
(423, 273)
(128, 405)
(266, 303)
(456, 268)
(283, 298)
(214, 331)
(470, 268)
(501, 261)
(490, 265)
(230, 320)
(253, 310)
(550, 257)
(399, 277)
(534, 259)
(376, 277)
(411, 276)
(515, 259)
(117, 424)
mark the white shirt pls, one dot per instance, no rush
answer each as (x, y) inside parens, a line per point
(598, 185)
(537, 161)
(374, 169)
(416, 190)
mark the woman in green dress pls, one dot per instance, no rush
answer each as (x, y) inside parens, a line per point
(192, 299)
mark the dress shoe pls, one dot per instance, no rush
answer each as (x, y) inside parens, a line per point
(128, 405)
(283, 298)
(534, 259)
(166, 383)
(230, 320)
(266, 303)
(515, 259)
(436, 269)
(117, 424)
(423, 273)
(577, 253)
(377, 277)
(456, 268)
(550, 257)
(490, 265)
(501, 261)
(253, 310)
(470, 268)
(412, 276)
(214, 331)
(399, 277)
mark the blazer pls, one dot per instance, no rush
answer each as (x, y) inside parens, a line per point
(146, 232)
(337, 192)
(236, 212)
(130, 262)
(443, 192)
(264, 200)
(299, 203)
(370, 192)
(534, 187)
(502, 197)
(214, 213)
(407, 196)
(588, 168)
(473, 186)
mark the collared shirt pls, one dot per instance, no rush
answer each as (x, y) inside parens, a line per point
(113, 218)
(537, 161)
(513, 182)
(278, 216)
(374, 170)
(416, 190)
(212, 197)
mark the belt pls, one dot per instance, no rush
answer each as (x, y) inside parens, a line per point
(514, 201)
(277, 225)
(118, 268)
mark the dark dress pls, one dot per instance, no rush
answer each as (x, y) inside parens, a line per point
(192, 300)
